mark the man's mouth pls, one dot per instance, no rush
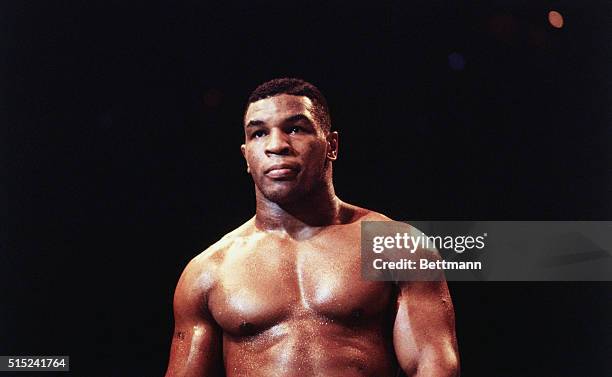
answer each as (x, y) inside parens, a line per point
(282, 171)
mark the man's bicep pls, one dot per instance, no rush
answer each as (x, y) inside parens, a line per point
(195, 351)
(197, 341)
(424, 330)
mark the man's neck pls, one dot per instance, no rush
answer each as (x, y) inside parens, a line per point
(299, 219)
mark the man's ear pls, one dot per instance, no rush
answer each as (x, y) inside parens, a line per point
(332, 146)
(243, 150)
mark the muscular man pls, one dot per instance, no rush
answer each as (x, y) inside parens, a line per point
(282, 295)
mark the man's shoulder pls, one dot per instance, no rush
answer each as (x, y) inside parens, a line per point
(355, 213)
(374, 216)
(364, 214)
(211, 258)
(393, 226)
(201, 273)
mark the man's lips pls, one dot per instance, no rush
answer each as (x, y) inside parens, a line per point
(282, 171)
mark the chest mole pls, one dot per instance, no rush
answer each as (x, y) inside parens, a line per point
(267, 281)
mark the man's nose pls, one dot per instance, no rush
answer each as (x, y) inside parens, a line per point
(278, 143)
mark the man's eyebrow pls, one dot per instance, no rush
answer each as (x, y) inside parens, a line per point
(296, 118)
(255, 123)
(291, 119)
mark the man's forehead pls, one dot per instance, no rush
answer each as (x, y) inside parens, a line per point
(282, 105)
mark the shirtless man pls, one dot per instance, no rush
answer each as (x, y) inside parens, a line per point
(282, 295)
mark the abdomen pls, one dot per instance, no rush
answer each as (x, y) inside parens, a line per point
(313, 346)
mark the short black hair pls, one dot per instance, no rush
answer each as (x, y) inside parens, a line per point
(295, 87)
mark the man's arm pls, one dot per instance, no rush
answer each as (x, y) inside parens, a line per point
(424, 331)
(197, 342)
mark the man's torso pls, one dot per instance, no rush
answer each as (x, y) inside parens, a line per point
(291, 308)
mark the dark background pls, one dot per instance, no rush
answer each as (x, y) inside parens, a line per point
(121, 126)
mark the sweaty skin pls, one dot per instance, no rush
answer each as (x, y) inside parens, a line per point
(282, 295)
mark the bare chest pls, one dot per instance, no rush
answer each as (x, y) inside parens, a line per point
(266, 281)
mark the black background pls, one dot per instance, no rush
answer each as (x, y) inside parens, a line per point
(121, 126)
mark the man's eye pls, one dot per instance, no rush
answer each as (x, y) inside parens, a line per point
(258, 134)
(295, 130)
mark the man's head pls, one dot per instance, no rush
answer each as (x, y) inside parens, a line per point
(288, 143)
(296, 87)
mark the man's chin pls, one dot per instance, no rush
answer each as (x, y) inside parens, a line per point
(282, 195)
